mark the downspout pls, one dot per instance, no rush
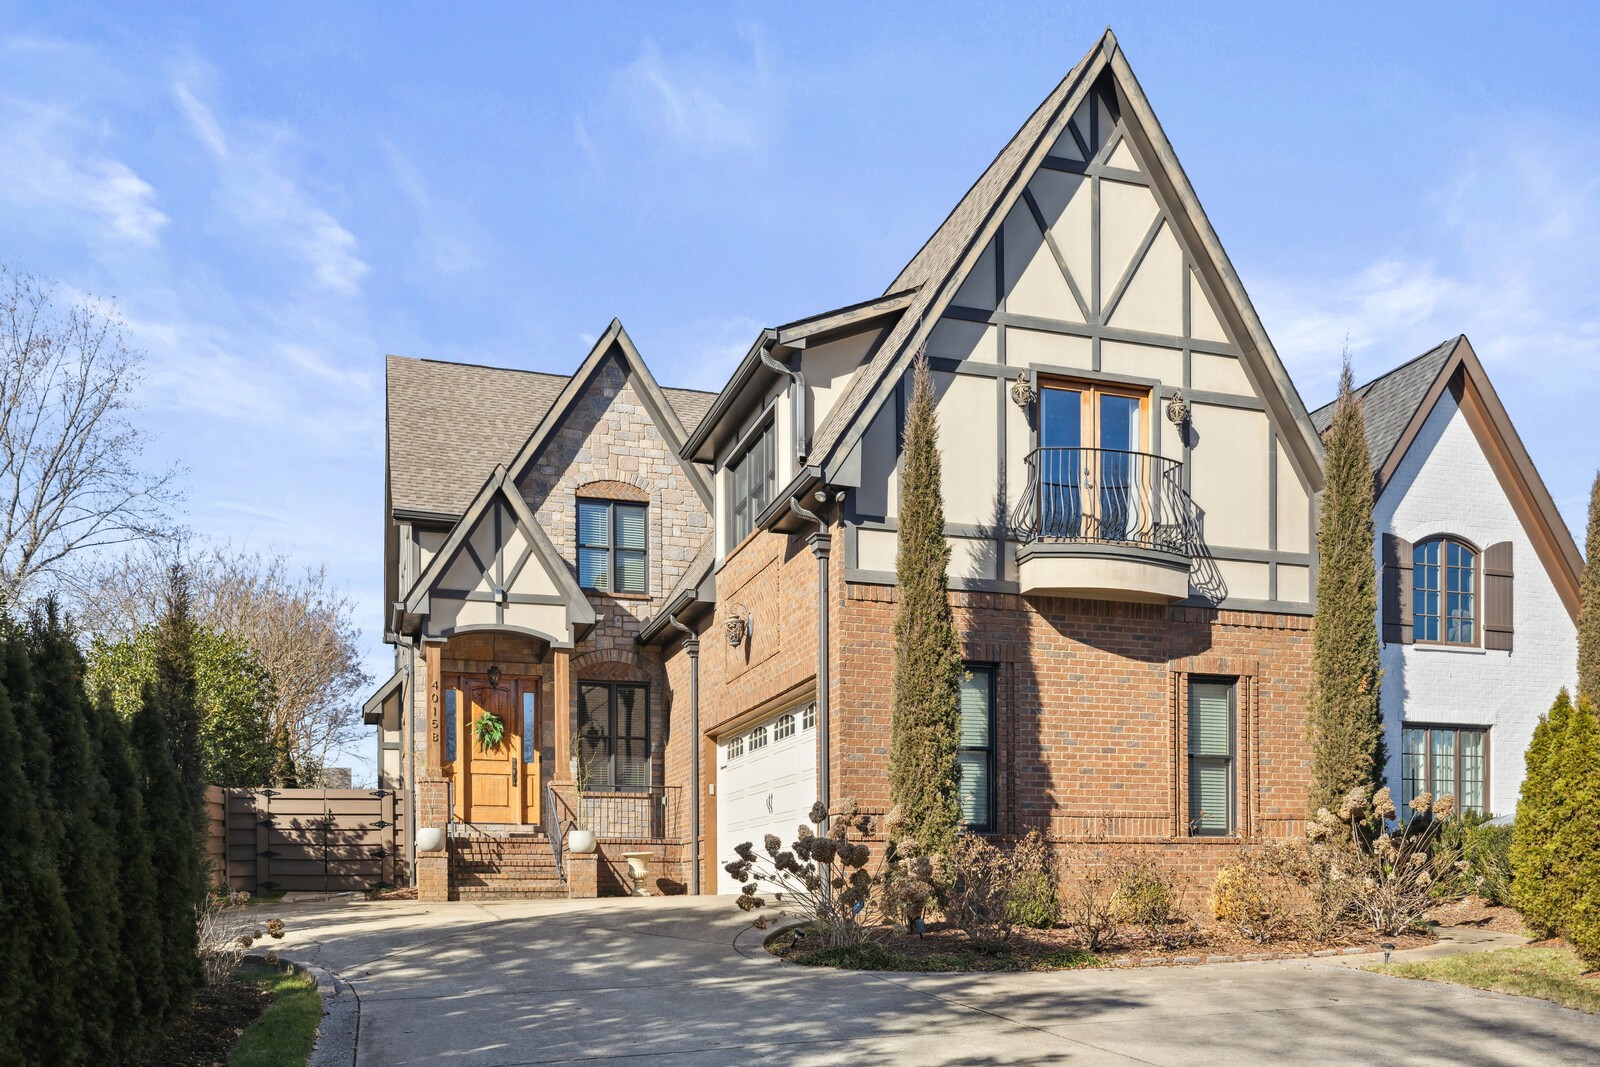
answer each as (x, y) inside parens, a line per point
(408, 757)
(820, 541)
(691, 645)
(801, 441)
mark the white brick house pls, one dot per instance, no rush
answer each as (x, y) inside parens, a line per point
(1479, 581)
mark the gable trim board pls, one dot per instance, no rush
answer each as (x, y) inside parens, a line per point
(977, 219)
(500, 487)
(615, 338)
(1464, 376)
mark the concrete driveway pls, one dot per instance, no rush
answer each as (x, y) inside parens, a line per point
(676, 982)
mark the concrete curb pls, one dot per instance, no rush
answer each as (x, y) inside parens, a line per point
(341, 1018)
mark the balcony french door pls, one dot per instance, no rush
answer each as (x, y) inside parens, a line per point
(1090, 479)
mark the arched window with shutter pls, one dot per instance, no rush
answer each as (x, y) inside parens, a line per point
(1444, 592)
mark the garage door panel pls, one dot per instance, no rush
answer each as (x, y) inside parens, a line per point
(764, 790)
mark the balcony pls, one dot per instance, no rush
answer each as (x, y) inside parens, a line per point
(1104, 524)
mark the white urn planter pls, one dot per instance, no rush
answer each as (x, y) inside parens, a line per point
(580, 842)
(430, 839)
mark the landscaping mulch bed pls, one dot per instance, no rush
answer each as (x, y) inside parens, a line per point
(404, 893)
(207, 1037)
(945, 949)
(1477, 912)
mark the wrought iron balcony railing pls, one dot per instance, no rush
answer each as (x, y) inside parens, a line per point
(1105, 496)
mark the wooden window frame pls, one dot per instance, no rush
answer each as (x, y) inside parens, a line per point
(1231, 760)
(610, 735)
(611, 549)
(1427, 729)
(761, 444)
(991, 749)
(1476, 619)
(1089, 390)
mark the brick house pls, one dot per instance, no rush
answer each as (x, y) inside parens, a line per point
(690, 598)
(1479, 597)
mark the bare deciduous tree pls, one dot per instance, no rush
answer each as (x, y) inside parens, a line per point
(298, 626)
(70, 477)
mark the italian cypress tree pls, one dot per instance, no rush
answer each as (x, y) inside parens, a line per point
(1589, 605)
(174, 856)
(51, 1029)
(925, 729)
(33, 909)
(140, 989)
(1577, 839)
(1536, 866)
(177, 692)
(80, 796)
(1345, 726)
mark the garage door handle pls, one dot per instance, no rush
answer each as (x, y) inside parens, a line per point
(769, 803)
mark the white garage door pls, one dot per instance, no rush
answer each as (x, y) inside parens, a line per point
(766, 783)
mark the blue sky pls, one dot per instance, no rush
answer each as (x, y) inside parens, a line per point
(279, 196)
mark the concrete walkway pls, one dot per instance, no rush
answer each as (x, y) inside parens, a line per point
(676, 982)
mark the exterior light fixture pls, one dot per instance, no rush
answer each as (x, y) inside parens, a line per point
(1022, 391)
(1388, 947)
(737, 626)
(494, 677)
(1177, 408)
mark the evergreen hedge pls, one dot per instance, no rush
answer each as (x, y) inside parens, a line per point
(100, 869)
(1589, 605)
(1535, 887)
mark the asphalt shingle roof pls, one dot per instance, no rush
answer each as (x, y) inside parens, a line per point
(450, 424)
(1389, 401)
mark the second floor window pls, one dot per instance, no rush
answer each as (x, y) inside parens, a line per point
(1444, 592)
(752, 479)
(613, 538)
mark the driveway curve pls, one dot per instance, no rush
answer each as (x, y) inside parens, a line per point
(685, 982)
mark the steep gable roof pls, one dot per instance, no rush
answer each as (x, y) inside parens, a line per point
(1390, 401)
(939, 267)
(1399, 403)
(451, 423)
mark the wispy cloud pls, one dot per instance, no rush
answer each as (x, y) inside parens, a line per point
(259, 190)
(50, 160)
(1506, 252)
(699, 101)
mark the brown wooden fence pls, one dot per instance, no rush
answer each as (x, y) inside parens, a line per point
(306, 840)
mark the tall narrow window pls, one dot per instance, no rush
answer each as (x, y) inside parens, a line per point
(752, 479)
(613, 542)
(1211, 758)
(449, 725)
(1444, 592)
(1444, 759)
(976, 754)
(614, 735)
(530, 750)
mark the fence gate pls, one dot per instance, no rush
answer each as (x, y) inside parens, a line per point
(307, 840)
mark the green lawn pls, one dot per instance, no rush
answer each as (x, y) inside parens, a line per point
(284, 1034)
(1547, 973)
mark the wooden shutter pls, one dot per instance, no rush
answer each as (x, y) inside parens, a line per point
(1396, 590)
(1497, 597)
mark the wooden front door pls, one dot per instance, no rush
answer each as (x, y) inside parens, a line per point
(502, 784)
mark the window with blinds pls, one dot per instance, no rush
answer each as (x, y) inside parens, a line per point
(976, 753)
(1211, 758)
(752, 479)
(614, 735)
(613, 543)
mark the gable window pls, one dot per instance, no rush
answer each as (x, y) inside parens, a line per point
(1444, 592)
(1211, 758)
(976, 753)
(752, 479)
(1443, 759)
(613, 539)
(614, 735)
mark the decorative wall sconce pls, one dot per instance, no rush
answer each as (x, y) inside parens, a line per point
(494, 677)
(737, 626)
(1022, 391)
(1177, 408)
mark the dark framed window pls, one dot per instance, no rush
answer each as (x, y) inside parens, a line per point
(1444, 759)
(1444, 592)
(1213, 716)
(613, 546)
(752, 479)
(976, 753)
(614, 734)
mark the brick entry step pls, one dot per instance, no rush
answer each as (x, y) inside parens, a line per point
(503, 867)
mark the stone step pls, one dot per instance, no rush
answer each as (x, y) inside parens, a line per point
(498, 893)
